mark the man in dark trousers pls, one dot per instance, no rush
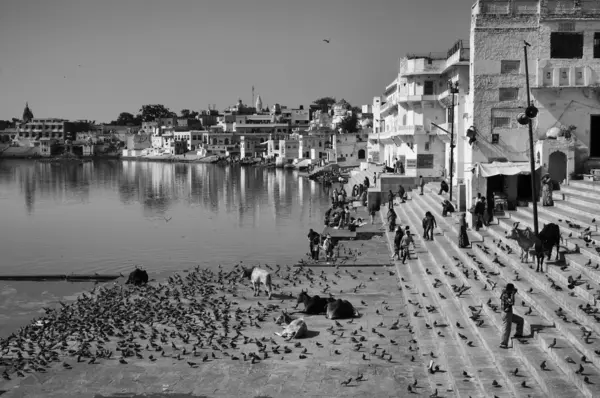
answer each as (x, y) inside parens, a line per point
(421, 184)
(443, 187)
(507, 299)
(479, 211)
(397, 239)
(390, 200)
(402, 194)
(313, 241)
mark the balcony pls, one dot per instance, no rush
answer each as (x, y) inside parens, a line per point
(567, 76)
(572, 8)
(411, 99)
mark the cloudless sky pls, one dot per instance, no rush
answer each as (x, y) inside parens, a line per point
(191, 53)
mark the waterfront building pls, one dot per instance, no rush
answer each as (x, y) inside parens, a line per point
(564, 73)
(218, 142)
(419, 95)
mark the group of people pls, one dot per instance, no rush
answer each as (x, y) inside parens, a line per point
(338, 216)
(402, 242)
(316, 243)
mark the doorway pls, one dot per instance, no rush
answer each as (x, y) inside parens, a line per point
(524, 187)
(557, 166)
(594, 136)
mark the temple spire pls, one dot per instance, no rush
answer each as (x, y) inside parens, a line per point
(27, 114)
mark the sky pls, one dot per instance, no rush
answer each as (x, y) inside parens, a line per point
(93, 59)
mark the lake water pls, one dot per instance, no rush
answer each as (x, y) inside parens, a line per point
(107, 216)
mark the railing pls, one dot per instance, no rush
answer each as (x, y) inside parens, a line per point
(526, 7)
(561, 7)
(496, 8)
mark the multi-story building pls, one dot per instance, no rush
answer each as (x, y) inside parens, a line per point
(403, 132)
(563, 45)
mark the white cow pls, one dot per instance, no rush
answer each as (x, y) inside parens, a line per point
(258, 276)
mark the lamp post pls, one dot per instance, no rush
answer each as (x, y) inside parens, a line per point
(453, 87)
(525, 118)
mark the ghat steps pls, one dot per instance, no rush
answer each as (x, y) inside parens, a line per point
(538, 297)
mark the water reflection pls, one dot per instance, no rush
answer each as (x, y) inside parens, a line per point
(106, 210)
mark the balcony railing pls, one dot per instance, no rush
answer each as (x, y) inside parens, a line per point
(496, 8)
(526, 7)
(561, 7)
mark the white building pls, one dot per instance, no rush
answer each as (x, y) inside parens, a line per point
(564, 70)
(419, 96)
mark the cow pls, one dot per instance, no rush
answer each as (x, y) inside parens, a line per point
(314, 304)
(137, 277)
(550, 237)
(257, 276)
(527, 240)
(340, 309)
(294, 330)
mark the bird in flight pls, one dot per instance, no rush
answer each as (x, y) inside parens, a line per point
(326, 40)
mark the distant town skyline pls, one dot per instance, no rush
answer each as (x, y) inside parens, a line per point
(84, 59)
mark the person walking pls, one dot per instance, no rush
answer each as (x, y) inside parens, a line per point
(429, 224)
(397, 239)
(405, 243)
(463, 237)
(313, 242)
(391, 199)
(507, 300)
(372, 212)
(367, 183)
(479, 211)
(402, 194)
(334, 197)
(547, 190)
(421, 184)
(443, 187)
(328, 247)
(391, 218)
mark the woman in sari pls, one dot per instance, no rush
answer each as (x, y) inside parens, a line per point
(547, 190)
(391, 218)
(463, 238)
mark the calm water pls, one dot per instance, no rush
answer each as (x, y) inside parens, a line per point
(107, 216)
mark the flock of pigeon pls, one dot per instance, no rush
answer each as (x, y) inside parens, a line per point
(195, 317)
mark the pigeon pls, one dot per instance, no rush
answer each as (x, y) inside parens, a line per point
(327, 40)
(345, 383)
(553, 344)
(543, 365)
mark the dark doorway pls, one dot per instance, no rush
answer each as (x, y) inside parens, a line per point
(524, 187)
(557, 166)
(361, 153)
(594, 136)
(495, 184)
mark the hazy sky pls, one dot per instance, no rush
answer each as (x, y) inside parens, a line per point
(92, 59)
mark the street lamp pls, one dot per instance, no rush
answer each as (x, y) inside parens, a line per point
(453, 87)
(525, 118)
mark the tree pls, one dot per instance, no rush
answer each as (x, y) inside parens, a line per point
(186, 113)
(325, 102)
(125, 118)
(149, 113)
(350, 124)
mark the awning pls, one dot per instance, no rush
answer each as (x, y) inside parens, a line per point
(503, 168)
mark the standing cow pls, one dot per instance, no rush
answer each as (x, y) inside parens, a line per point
(545, 241)
(257, 276)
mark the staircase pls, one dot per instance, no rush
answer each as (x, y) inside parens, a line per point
(486, 268)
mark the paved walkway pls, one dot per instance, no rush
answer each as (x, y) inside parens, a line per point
(331, 355)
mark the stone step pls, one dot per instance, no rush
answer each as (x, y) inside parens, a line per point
(559, 354)
(558, 217)
(575, 199)
(427, 339)
(591, 185)
(583, 262)
(583, 212)
(580, 191)
(477, 361)
(577, 263)
(489, 335)
(539, 301)
(582, 219)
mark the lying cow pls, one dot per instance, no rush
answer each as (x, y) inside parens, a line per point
(294, 330)
(137, 277)
(258, 276)
(341, 309)
(314, 304)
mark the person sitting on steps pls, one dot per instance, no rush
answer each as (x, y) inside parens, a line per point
(443, 187)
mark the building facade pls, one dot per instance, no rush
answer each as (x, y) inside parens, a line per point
(563, 45)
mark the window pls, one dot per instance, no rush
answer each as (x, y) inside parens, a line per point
(566, 26)
(501, 122)
(508, 94)
(566, 45)
(495, 138)
(597, 45)
(428, 89)
(510, 66)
